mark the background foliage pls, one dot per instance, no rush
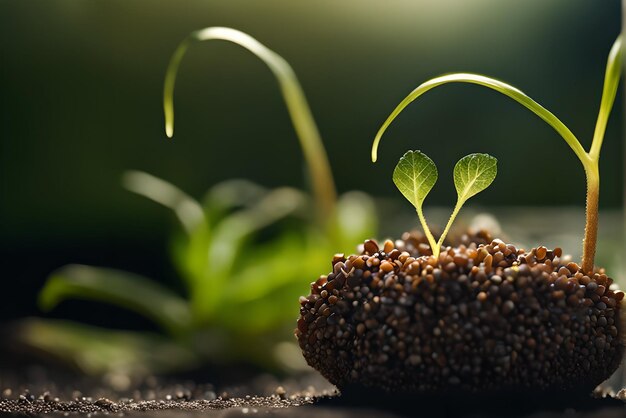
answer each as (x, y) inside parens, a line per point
(80, 102)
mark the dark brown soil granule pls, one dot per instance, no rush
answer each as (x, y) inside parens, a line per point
(484, 317)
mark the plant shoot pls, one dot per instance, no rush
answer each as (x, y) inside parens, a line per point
(297, 105)
(416, 174)
(589, 160)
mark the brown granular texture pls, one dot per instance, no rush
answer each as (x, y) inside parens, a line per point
(484, 317)
(88, 406)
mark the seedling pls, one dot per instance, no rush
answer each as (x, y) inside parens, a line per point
(239, 289)
(416, 174)
(589, 159)
(297, 105)
(480, 318)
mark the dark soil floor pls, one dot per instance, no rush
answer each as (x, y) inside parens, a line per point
(54, 394)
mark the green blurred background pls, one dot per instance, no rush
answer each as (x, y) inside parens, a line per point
(81, 90)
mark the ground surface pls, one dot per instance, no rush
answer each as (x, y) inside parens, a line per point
(264, 395)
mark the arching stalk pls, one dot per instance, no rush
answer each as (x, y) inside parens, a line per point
(493, 84)
(299, 111)
(589, 160)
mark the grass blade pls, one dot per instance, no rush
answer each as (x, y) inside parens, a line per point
(228, 240)
(297, 105)
(130, 291)
(98, 351)
(611, 82)
(188, 210)
(498, 86)
(230, 194)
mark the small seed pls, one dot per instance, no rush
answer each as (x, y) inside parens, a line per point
(370, 247)
(386, 266)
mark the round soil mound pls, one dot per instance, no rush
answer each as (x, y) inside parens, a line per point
(484, 317)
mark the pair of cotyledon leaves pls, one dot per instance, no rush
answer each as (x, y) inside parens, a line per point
(416, 174)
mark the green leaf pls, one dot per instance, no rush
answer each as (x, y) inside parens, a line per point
(473, 174)
(229, 239)
(128, 290)
(611, 82)
(230, 194)
(415, 175)
(306, 130)
(187, 209)
(99, 351)
(354, 221)
(274, 261)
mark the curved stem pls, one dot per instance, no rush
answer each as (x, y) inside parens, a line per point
(297, 105)
(588, 160)
(493, 84)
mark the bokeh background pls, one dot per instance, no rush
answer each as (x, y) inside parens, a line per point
(80, 102)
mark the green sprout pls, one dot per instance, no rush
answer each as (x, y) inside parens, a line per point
(416, 174)
(239, 287)
(297, 105)
(589, 159)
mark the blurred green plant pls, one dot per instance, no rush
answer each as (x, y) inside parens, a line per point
(244, 254)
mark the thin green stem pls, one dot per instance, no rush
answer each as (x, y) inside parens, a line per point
(429, 235)
(455, 212)
(493, 84)
(297, 105)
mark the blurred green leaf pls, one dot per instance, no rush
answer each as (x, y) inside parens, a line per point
(310, 141)
(230, 194)
(190, 255)
(97, 351)
(129, 290)
(228, 240)
(286, 260)
(187, 209)
(355, 221)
